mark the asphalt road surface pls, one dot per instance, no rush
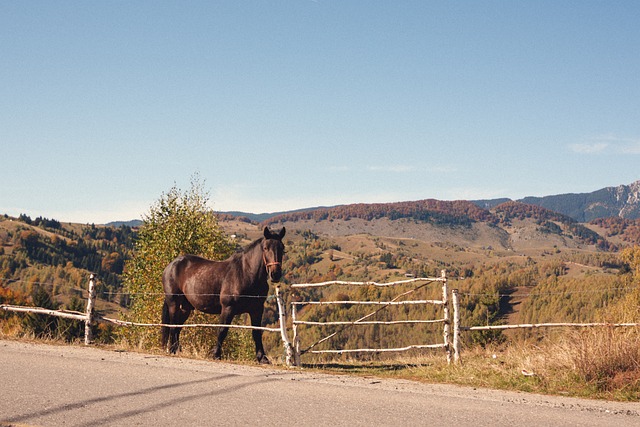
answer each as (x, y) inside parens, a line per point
(45, 385)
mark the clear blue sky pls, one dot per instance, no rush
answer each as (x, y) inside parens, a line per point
(281, 105)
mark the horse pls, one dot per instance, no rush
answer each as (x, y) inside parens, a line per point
(234, 286)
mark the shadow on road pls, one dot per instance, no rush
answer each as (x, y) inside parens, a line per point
(160, 403)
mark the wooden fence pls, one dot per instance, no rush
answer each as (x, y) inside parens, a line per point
(90, 317)
(451, 329)
(296, 323)
(457, 328)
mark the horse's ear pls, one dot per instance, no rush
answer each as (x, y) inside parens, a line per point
(269, 235)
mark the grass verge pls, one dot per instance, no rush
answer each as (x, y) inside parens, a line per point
(596, 364)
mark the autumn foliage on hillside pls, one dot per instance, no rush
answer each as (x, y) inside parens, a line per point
(517, 210)
(549, 221)
(627, 229)
(430, 210)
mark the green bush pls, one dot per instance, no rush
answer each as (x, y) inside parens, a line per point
(178, 223)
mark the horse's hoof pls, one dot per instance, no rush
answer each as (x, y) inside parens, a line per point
(264, 360)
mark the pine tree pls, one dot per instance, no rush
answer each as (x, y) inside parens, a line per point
(41, 325)
(69, 329)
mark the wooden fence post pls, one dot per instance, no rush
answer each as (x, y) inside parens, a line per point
(296, 338)
(456, 326)
(289, 359)
(88, 335)
(445, 306)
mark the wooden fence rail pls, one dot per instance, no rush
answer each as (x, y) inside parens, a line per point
(67, 314)
(547, 325)
(88, 316)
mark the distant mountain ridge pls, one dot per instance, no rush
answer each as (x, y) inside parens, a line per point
(261, 217)
(459, 212)
(133, 223)
(622, 201)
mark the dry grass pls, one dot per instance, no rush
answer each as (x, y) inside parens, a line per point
(599, 363)
(608, 358)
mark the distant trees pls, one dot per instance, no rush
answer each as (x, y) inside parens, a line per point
(100, 250)
(453, 213)
(113, 263)
(627, 229)
(627, 309)
(40, 221)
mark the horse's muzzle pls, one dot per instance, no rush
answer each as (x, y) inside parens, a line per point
(274, 271)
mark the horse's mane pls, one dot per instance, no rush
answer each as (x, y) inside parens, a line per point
(252, 245)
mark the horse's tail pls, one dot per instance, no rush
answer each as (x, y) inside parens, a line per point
(165, 320)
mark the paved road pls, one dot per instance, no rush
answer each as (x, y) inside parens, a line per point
(46, 385)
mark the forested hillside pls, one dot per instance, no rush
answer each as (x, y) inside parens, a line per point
(433, 211)
(45, 255)
(513, 262)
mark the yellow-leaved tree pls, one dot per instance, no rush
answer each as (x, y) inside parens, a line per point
(180, 222)
(627, 309)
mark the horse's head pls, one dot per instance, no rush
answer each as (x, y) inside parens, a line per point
(272, 252)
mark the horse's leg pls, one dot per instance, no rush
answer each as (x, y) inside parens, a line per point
(169, 310)
(226, 316)
(165, 320)
(182, 315)
(256, 321)
(177, 312)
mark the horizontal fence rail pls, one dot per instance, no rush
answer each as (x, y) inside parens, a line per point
(379, 350)
(547, 325)
(435, 302)
(342, 282)
(458, 328)
(371, 322)
(187, 325)
(88, 317)
(67, 314)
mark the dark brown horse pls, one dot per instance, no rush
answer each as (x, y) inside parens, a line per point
(234, 286)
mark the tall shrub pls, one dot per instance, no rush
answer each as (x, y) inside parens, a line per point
(180, 222)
